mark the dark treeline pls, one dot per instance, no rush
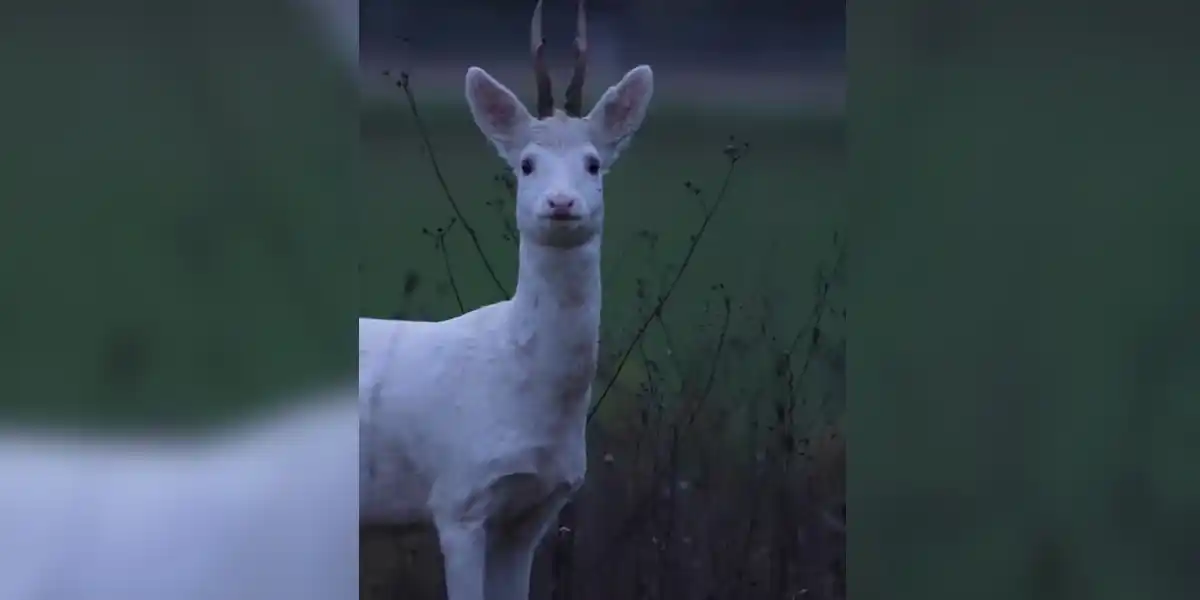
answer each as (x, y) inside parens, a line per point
(708, 30)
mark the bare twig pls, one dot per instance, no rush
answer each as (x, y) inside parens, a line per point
(669, 342)
(668, 338)
(813, 331)
(818, 309)
(712, 369)
(404, 86)
(662, 300)
(439, 242)
(810, 329)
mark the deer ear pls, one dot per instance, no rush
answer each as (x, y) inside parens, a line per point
(497, 111)
(620, 111)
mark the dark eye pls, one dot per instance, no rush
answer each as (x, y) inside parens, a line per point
(526, 166)
(593, 165)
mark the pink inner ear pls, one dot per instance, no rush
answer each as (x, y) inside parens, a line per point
(499, 111)
(617, 112)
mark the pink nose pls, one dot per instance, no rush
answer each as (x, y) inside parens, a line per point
(560, 203)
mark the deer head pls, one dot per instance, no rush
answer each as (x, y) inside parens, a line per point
(560, 157)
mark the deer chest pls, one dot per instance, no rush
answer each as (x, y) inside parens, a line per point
(522, 481)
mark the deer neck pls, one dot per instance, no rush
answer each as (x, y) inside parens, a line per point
(556, 318)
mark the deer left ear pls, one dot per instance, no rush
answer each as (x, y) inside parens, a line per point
(498, 112)
(620, 112)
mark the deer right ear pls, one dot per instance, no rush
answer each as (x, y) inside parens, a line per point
(498, 112)
(620, 111)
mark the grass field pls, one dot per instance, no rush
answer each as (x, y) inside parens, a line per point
(783, 203)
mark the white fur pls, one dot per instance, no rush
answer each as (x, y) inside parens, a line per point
(477, 423)
(267, 512)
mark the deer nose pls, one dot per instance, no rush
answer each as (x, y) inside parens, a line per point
(560, 202)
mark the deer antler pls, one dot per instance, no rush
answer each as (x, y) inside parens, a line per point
(545, 97)
(574, 100)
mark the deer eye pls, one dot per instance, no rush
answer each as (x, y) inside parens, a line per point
(592, 164)
(526, 166)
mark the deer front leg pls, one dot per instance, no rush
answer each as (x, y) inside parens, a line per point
(510, 549)
(464, 555)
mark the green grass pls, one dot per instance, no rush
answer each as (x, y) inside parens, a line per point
(172, 256)
(783, 203)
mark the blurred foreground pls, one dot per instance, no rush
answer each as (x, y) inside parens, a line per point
(265, 510)
(177, 246)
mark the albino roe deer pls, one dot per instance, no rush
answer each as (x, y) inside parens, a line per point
(476, 424)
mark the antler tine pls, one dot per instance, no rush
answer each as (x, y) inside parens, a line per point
(545, 96)
(574, 99)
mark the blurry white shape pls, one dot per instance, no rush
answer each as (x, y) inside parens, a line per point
(339, 20)
(267, 511)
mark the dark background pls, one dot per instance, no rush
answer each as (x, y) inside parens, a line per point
(781, 34)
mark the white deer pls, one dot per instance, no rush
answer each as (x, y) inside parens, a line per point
(476, 424)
